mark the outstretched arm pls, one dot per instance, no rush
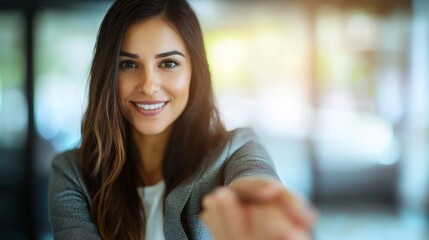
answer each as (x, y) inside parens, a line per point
(253, 204)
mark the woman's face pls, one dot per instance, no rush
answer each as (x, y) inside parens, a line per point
(154, 76)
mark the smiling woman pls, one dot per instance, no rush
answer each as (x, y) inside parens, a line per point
(154, 77)
(154, 154)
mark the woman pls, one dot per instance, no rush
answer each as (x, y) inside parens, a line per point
(153, 145)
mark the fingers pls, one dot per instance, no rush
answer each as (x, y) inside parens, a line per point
(267, 222)
(256, 189)
(267, 191)
(224, 215)
(228, 218)
(302, 213)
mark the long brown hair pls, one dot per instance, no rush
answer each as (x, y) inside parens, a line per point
(104, 157)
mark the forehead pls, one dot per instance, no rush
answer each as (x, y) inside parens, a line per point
(152, 36)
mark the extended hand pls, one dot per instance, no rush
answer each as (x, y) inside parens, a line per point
(268, 191)
(256, 208)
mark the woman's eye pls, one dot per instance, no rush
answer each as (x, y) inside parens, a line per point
(169, 64)
(127, 65)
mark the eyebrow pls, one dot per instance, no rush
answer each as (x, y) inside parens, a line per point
(160, 55)
(127, 54)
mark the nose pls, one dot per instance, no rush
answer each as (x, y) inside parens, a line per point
(149, 84)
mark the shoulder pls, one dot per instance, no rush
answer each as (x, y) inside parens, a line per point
(66, 172)
(240, 136)
(67, 163)
(237, 141)
(69, 201)
(65, 159)
(247, 157)
(244, 141)
(241, 148)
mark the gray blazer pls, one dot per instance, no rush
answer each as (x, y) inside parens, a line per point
(69, 198)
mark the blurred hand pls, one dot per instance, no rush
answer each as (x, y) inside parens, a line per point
(267, 191)
(256, 208)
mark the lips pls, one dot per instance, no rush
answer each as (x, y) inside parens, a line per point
(150, 108)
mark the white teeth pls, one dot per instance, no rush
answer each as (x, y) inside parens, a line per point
(151, 106)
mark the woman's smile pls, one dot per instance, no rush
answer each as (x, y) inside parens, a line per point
(150, 108)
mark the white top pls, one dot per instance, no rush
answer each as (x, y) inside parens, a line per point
(152, 197)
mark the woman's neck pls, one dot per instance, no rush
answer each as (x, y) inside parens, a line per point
(150, 151)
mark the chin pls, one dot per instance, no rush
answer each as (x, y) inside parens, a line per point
(151, 130)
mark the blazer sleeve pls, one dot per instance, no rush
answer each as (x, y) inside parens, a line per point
(69, 212)
(248, 158)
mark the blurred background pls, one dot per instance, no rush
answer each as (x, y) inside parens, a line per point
(338, 91)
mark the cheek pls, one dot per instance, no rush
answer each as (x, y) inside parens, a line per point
(124, 92)
(179, 87)
(124, 89)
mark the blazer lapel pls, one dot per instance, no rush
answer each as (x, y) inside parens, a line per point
(174, 204)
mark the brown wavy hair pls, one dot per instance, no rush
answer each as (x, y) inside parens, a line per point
(108, 168)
